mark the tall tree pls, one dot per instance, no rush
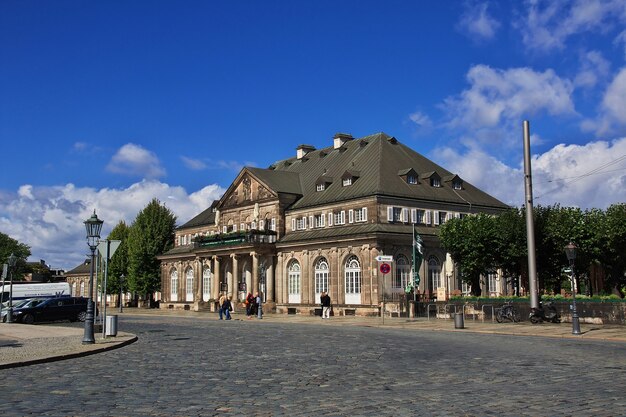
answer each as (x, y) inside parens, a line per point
(118, 265)
(613, 255)
(9, 246)
(151, 234)
(510, 249)
(470, 243)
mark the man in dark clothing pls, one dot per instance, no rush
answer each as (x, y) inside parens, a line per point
(325, 300)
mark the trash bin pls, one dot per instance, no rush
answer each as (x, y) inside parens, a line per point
(458, 321)
(111, 325)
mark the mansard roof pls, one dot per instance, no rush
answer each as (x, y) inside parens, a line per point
(376, 158)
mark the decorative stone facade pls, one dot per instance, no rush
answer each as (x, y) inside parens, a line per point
(317, 222)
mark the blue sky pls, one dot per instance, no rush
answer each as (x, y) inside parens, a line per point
(106, 105)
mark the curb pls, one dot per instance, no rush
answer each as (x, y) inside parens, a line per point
(69, 355)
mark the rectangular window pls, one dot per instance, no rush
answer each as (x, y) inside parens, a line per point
(350, 216)
(234, 227)
(253, 226)
(301, 223)
(411, 179)
(435, 182)
(346, 182)
(242, 227)
(457, 185)
(443, 216)
(397, 214)
(261, 224)
(318, 220)
(320, 187)
(330, 218)
(311, 222)
(405, 215)
(360, 215)
(294, 225)
(413, 216)
(427, 217)
(273, 224)
(225, 229)
(436, 217)
(340, 217)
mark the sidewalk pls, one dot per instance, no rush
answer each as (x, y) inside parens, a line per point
(28, 344)
(24, 344)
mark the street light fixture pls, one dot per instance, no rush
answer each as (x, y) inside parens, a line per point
(570, 251)
(12, 261)
(93, 225)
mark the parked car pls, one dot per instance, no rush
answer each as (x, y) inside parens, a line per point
(50, 309)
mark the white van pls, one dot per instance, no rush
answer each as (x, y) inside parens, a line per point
(43, 290)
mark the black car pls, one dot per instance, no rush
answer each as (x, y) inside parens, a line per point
(52, 309)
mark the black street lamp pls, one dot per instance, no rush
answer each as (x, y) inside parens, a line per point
(12, 261)
(93, 225)
(570, 251)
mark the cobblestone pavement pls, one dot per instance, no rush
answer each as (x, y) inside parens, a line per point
(190, 366)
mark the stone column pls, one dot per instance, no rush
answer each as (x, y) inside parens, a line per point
(280, 271)
(269, 278)
(255, 272)
(215, 291)
(232, 284)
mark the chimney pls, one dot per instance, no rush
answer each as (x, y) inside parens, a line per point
(341, 138)
(302, 150)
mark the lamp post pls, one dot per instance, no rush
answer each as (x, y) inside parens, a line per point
(93, 225)
(570, 251)
(121, 291)
(11, 262)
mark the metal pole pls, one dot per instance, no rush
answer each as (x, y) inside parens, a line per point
(88, 337)
(12, 261)
(575, 319)
(530, 226)
(121, 291)
(5, 270)
(104, 289)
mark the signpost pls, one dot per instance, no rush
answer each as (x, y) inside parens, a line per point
(385, 268)
(106, 248)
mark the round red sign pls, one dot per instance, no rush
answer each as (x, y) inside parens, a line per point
(385, 268)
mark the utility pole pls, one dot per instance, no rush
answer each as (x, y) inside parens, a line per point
(530, 224)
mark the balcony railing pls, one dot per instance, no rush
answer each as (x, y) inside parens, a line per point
(236, 238)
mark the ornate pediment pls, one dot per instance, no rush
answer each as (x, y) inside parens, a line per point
(246, 190)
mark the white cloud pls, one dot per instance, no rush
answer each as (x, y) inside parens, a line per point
(566, 174)
(50, 219)
(549, 24)
(420, 119)
(476, 22)
(593, 68)
(496, 98)
(611, 117)
(193, 164)
(621, 38)
(135, 160)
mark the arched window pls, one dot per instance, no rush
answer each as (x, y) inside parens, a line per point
(434, 273)
(174, 285)
(74, 290)
(206, 284)
(353, 280)
(403, 272)
(189, 285)
(293, 285)
(492, 283)
(82, 289)
(321, 278)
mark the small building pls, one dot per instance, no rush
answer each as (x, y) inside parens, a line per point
(317, 222)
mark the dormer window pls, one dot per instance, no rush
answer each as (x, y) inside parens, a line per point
(349, 177)
(435, 182)
(409, 175)
(323, 182)
(457, 185)
(411, 179)
(320, 187)
(455, 180)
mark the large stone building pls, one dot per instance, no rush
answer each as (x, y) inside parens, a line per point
(317, 222)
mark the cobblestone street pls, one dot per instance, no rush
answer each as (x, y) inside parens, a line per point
(202, 367)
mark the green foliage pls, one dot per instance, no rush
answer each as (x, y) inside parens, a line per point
(469, 241)
(9, 246)
(613, 253)
(118, 265)
(151, 234)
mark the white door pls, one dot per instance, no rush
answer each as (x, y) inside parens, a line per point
(189, 286)
(293, 285)
(353, 281)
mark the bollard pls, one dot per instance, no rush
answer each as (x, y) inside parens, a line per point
(458, 321)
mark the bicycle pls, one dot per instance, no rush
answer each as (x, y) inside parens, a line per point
(508, 312)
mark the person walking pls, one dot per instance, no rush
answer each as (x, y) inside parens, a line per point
(249, 305)
(227, 307)
(259, 306)
(220, 307)
(325, 301)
